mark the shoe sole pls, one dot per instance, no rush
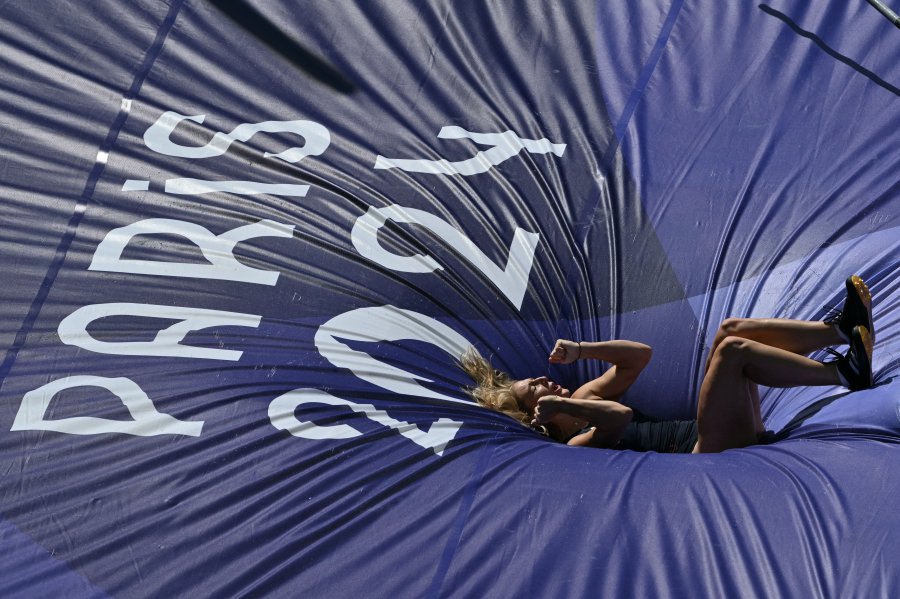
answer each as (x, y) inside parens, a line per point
(856, 286)
(866, 338)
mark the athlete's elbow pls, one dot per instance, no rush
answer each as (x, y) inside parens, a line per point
(644, 354)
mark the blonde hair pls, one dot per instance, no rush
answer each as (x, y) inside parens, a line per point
(493, 388)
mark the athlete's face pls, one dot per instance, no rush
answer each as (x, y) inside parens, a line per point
(529, 391)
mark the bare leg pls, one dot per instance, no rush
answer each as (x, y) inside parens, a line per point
(753, 392)
(797, 336)
(728, 411)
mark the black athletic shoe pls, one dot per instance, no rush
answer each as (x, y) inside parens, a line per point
(856, 312)
(855, 367)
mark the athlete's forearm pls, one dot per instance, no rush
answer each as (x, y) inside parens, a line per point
(597, 412)
(609, 419)
(619, 352)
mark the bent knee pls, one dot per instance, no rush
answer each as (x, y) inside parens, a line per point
(732, 347)
(733, 326)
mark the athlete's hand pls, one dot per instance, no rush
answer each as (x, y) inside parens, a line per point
(547, 407)
(565, 352)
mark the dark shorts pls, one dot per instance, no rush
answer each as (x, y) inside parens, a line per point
(671, 436)
(668, 436)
